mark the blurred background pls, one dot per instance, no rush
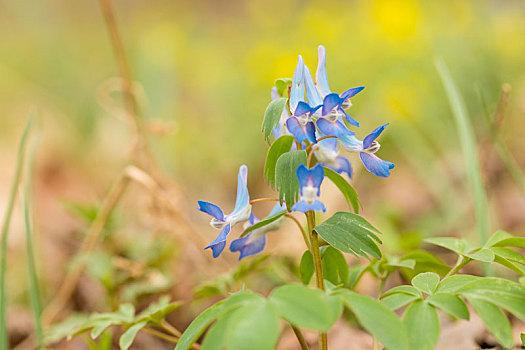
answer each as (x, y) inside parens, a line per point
(204, 70)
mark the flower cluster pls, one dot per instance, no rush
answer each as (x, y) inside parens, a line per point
(317, 119)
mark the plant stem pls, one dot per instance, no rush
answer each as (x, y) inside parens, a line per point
(161, 335)
(259, 200)
(303, 232)
(310, 217)
(462, 261)
(5, 231)
(300, 337)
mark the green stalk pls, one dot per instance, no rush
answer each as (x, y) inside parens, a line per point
(34, 290)
(470, 154)
(314, 239)
(4, 343)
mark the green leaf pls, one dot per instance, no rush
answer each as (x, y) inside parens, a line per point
(456, 245)
(484, 255)
(354, 275)
(403, 290)
(454, 283)
(272, 115)
(523, 339)
(201, 322)
(510, 264)
(282, 85)
(215, 338)
(280, 146)
(335, 266)
(497, 237)
(350, 233)
(508, 254)
(425, 262)
(254, 326)
(306, 268)
(129, 335)
(377, 319)
(297, 304)
(156, 312)
(286, 181)
(422, 320)
(504, 293)
(469, 149)
(346, 189)
(495, 320)
(426, 282)
(398, 300)
(267, 221)
(450, 303)
(518, 242)
(96, 331)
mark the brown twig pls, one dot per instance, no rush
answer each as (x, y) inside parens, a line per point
(259, 200)
(320, 139)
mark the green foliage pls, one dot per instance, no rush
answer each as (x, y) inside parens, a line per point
(346, 189)
(282, 85)
(5, 232)
(469, 149)
(450, 303)
(126, 318)
(494, 250)
(304, 307)
(350, 233)
(426, 282)
(267, 221)
(377, 319)
(272, 115)
(279, 147)
(422, 320)
(335, 266)
(306, 267)
(254, 326)
(286, 181)
(495, 320)
(424, 262)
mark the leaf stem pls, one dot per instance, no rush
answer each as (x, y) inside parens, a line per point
(259, 200)
(300, 337)
(462, 261)
(303, 232)
(320, 139)
(310, 217)
(161, 335)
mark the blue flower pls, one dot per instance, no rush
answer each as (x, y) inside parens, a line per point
(333, 103)
(222, 222)
(255, 241)
(310, 187)
(300, 125)
(366, 150)
(327, 153)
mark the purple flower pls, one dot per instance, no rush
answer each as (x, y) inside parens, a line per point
(255, 241)
(310, 187)
(222, 222)
(327, 153)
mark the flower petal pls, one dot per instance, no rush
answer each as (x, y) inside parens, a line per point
(349, 118)
(211, 209)
(317, 176)
(351, 92)
(321, 76)
(344, 166)
(296, 129)
(376, 165)
(217, 246)
(337, 129)
(303, 206)
(297, 90)
(304, 108)
(330, 102)
(314, 99)
(329, 143)
(275, 94)
(302, 175)
(247, 246)
(243, 197)
(310, 132)
(373, 135)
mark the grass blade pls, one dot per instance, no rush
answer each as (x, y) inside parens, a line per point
(469, 149)
(5, 230)
(26, 196)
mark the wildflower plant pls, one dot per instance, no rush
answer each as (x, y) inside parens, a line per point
(309, 130)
